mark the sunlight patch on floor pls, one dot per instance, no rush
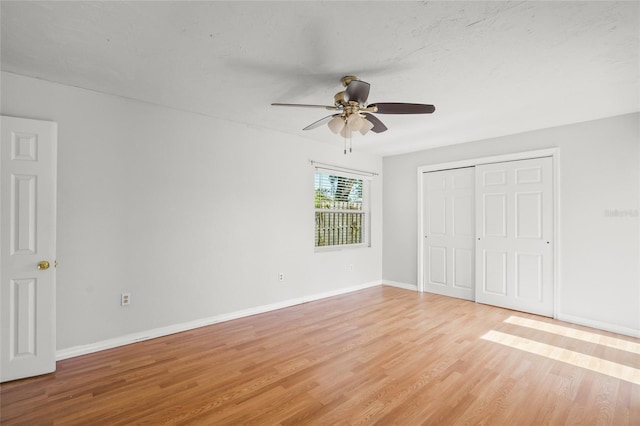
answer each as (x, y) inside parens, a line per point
(585, 336)
(613, 369)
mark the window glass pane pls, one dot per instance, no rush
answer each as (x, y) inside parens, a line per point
(335, 228)
(340, 217)
(338, 192)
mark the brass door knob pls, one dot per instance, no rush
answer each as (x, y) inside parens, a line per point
(43, 265)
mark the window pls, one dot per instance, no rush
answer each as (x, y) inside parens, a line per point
(341, 209)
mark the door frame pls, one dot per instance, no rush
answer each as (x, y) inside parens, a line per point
(554, 153)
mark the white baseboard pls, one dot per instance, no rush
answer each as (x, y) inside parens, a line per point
(599, 325)
(177, 328)
(405, 286)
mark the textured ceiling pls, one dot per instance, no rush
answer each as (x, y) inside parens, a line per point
(491, 68)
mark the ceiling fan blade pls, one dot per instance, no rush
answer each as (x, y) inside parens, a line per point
(320, 122)
(402, 108)
(329, 107)
(378, 126)
(358, 91)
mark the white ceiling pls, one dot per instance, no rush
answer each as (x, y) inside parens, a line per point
(490, 68)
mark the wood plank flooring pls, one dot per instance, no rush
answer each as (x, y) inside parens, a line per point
(378, 356)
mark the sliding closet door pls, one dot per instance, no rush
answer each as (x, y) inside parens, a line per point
(514, 235)
(448, 226)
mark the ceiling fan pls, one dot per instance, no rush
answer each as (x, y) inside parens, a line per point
(353, 115)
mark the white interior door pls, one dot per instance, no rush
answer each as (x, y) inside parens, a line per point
(514, 226)
(448, 228)
(27, 248)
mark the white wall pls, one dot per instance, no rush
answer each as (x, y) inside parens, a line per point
(599, 168)
(192, 215)
(196, 216)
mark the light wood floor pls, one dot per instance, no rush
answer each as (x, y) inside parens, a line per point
(378, 356)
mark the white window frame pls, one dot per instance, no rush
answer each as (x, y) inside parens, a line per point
(366, 208)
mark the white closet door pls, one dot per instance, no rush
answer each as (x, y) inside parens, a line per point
(27, 247)
(514, 226)
(448, 226)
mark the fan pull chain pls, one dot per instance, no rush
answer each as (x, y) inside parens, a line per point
(350, 143)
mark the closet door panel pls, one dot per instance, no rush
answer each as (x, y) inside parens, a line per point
(449, 232)
(514, 223)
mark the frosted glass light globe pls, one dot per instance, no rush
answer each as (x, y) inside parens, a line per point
(336, 124)
(366, 126)
(355, 122)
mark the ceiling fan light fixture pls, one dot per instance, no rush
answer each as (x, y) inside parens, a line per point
(345, 132)
(336, 124)
(366, 126)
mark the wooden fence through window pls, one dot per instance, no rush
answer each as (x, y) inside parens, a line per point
(338, 228)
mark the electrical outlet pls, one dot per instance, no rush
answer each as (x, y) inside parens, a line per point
(125, 299)
(281, 276)
(350, 267)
